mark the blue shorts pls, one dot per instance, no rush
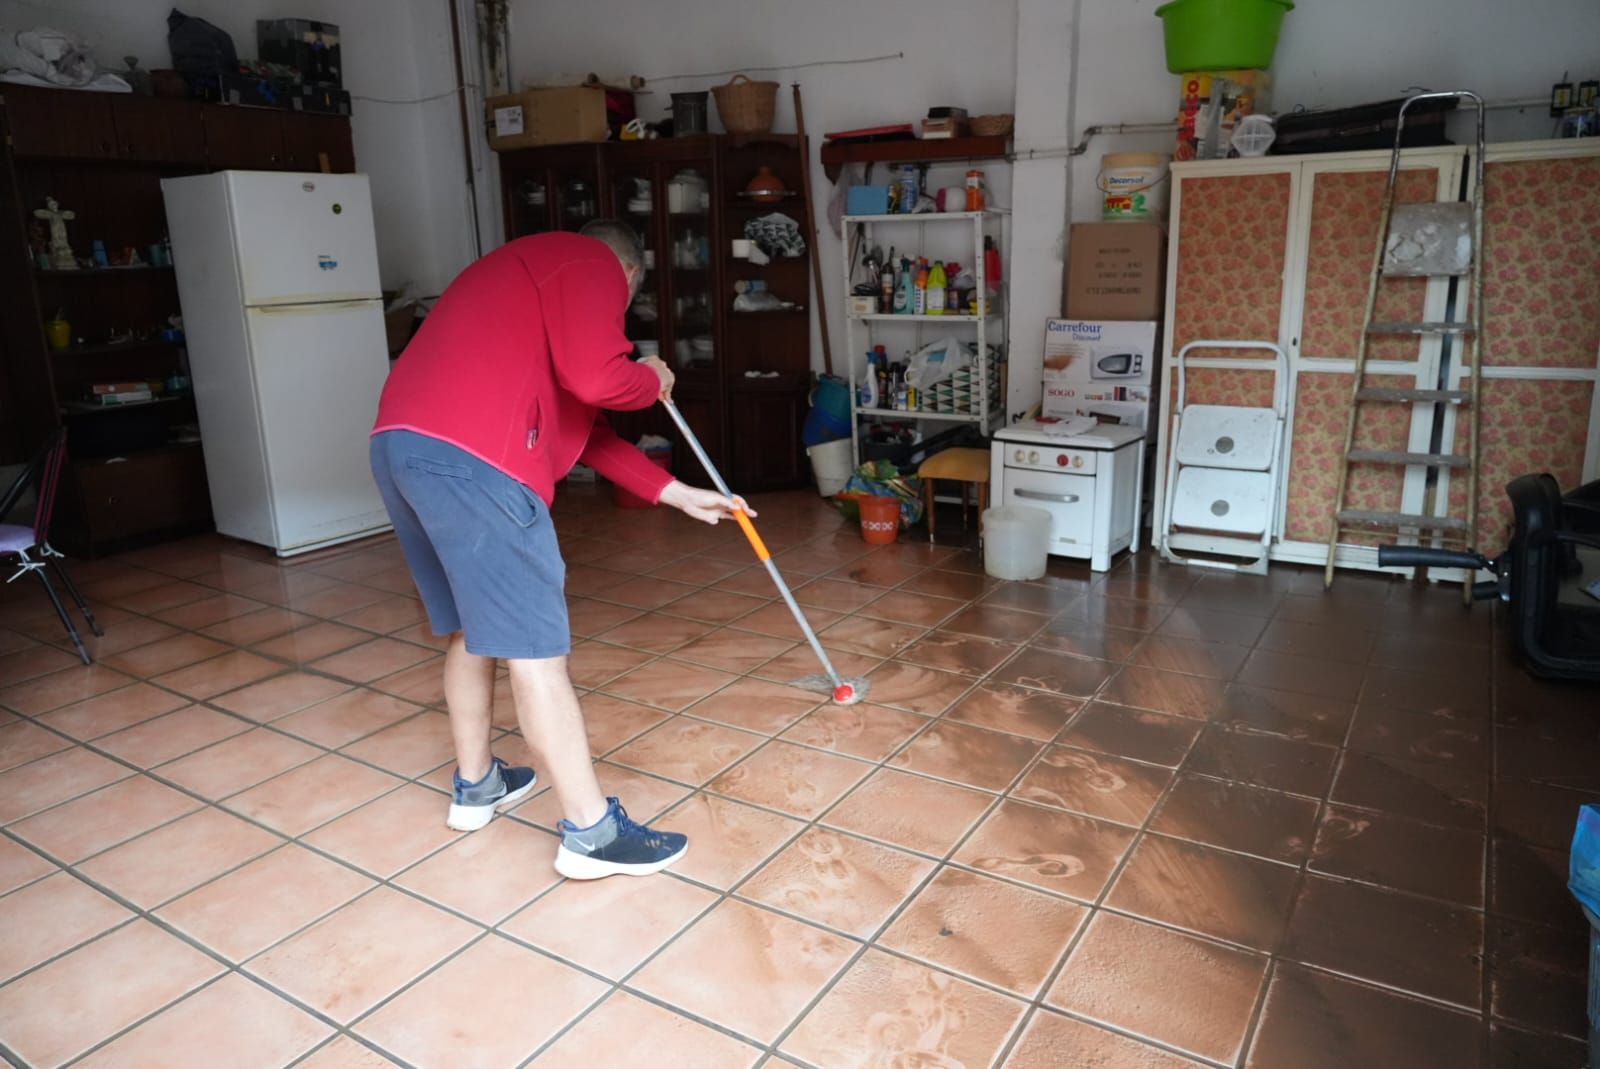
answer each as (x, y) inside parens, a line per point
(480, 546)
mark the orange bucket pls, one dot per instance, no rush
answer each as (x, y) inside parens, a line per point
(880, 519)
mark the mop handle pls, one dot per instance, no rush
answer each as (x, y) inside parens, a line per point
(764, 554)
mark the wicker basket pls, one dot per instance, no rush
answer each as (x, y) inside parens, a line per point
(992, 125)
(746, 106)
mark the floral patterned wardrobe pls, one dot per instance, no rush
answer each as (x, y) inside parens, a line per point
(1278, 249)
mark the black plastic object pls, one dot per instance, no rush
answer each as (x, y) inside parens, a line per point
(1422, 557)
(688, 114)
(1365, 126)
(1554, 638)
(199, 48)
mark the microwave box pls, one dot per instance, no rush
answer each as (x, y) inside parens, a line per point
(537, 117)
(1116, 271)
(1096, 367)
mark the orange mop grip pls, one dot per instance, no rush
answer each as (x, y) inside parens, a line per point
(762, 553)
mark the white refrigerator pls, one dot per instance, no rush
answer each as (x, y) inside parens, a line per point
(278, 276)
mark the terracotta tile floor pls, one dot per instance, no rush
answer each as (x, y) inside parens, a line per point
(1153, 819)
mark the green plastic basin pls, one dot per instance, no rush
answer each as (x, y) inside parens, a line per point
(1221, 35)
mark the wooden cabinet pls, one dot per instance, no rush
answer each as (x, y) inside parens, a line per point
(309, 141)
(244, 139)
(135, 473)
(743, 378)
(120, 500)
(152, 130)
(766, 423)
(265, 139)
(60, 124)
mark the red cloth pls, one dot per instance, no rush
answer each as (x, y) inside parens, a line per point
(517, 359)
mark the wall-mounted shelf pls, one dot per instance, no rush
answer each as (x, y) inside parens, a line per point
(910, 150)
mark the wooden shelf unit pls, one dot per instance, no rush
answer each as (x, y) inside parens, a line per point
(132, 477)
(750, 426)
(836, 154)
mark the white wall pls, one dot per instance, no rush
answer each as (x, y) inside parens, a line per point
(387, 51)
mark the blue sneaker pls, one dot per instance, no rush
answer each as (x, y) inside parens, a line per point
(473, 804)
(616, 846)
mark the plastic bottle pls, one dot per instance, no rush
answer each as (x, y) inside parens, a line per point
(976, 199)
(867, 392)
(919, 297)
(991, 266)
(910, 187)
(938, 285)
(903, 288)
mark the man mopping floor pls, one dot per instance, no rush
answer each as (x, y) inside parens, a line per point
(492, 404)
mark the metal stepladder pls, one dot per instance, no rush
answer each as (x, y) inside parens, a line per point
(1430, 240)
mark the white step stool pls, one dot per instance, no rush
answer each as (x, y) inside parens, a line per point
(1223, 473)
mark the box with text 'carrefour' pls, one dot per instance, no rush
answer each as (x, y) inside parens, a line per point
(1098, 368)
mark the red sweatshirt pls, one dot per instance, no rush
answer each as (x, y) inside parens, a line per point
(517, 359)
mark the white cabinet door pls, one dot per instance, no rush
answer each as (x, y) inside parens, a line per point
(319, 370)
(303, 237)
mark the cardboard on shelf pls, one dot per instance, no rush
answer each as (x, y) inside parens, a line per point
(536, 117)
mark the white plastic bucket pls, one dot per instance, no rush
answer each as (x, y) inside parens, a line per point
(1016, 542)
(1134, 185)
(830, 463)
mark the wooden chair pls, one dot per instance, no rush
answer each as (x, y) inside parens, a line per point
(969, 467)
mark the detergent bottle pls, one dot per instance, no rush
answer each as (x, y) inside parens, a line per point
(903, 287)
(938, 288)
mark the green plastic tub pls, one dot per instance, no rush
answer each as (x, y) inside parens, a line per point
(1221, 35)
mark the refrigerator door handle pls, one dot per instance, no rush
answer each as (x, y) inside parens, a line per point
(320, 306)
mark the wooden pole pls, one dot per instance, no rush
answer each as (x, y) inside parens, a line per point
(811, 233)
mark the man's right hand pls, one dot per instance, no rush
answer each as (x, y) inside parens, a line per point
(663, 372)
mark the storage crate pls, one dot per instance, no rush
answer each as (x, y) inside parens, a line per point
(310, 47)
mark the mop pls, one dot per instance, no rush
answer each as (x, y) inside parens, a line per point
(844, 691)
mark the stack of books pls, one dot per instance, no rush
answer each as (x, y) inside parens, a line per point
(120, 393)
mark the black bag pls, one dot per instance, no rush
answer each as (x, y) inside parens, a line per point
(199, 48)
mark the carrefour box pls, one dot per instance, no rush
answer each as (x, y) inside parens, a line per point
(1096, 367)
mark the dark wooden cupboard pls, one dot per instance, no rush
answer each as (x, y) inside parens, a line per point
(135, 473)
(743, 378)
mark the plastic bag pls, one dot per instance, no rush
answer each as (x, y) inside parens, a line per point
(199, 48)
(880, 478)
(1583, 873)
(936, 362)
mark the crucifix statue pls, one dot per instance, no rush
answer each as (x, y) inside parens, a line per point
(61, 258)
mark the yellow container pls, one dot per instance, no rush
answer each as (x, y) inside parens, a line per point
(58, 333)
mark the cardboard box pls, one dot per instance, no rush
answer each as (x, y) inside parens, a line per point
(1099, 368)
(536, 117)
(1116, 271)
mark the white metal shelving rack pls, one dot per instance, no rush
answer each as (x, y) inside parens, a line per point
(990, 323)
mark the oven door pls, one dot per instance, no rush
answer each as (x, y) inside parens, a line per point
(1069, 499)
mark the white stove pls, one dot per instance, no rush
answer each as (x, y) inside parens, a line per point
(1086, 478)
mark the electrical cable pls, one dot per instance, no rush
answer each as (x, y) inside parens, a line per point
(415, 100)
(778, 67)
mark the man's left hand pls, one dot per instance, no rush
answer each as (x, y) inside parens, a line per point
(707, 506)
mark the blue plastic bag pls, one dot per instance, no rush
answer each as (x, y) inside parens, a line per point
(1583, 874)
